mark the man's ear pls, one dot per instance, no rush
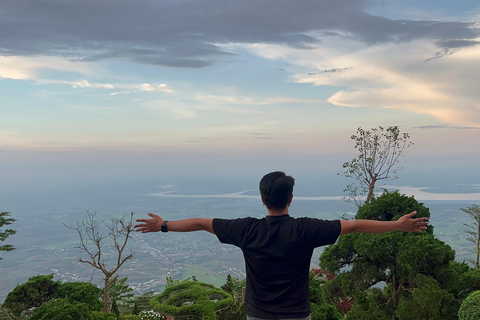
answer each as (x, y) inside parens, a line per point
(290, 201)
(262, 200)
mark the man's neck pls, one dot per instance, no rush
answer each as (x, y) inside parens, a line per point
(276, 213)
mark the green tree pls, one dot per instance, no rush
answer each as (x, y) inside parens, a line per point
(114, 309)
(31, 294)
(143, 301)
(321, 308)
(61, 309)
(96, 238)
(428, 301)
(5, 221)
(470, 309)
(237, 310)
(379, 151)
(192, 298)
(473, 231)
(121, 292)
(136, 309)
(365, 261)
(81, 292)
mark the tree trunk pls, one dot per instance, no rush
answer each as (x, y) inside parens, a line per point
(394, 285)
(371, 187)
(106, 307)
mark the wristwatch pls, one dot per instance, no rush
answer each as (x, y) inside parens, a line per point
(164, 227)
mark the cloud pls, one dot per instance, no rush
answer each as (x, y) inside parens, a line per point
(448, 127)
(180, 33)
(29, 68)
(251, 101)
(126, 87)
(390, 76)
(32, 68)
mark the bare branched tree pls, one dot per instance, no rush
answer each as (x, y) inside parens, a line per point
(101, 241)
(473, 232)
(379, 151)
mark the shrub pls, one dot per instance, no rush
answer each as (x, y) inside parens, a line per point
(470, 308)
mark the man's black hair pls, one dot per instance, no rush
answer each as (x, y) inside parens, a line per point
(276, 189)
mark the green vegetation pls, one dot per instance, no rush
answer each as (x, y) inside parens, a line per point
(474, 232)
(322, 309)
(396, 275)
(5, 221)
(470, 308)
(192, 298)
(236, 310)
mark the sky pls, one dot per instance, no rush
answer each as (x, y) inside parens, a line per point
(101, 88)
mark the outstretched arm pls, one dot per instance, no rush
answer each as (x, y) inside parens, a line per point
(155, 223)
(406, 223)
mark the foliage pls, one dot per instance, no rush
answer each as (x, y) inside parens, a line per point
(321, 308)
(171, 282)
(31, 294)
(122, 294)
(135, 310)
(237, 310)
(468, 280)
(129, 317)
(143, 301)
(150, 315)
(120, 291)
(379, 150)
(415, 267)
(100, 315)
(61, 309)
(96, 237)
(192, 298)
(470, 308)
(46, 297)
(371, 306)
(82, 292)
(428, 301)
(4, 314)
(5, 220)
(114, 309)
(473, 232)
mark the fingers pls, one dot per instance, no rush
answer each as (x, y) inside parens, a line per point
(411, 214)
(148, 225)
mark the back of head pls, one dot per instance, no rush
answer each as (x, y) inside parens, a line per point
(276, 189)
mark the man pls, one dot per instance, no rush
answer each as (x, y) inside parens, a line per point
(278, 248)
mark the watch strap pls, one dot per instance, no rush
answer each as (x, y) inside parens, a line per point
(164, 227)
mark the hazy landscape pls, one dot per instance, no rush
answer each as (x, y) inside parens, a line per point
(44, 245)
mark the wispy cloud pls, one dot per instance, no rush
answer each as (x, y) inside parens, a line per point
(394, 76)
(30, 68)
(448, 127)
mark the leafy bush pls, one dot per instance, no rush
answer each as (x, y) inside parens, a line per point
(83, 292)
(99, 315)
(192, 298)
(129, 317)
(61, 309)
(31, 294)
(470, 308)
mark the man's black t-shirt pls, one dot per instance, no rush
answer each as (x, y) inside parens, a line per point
(277, 252)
